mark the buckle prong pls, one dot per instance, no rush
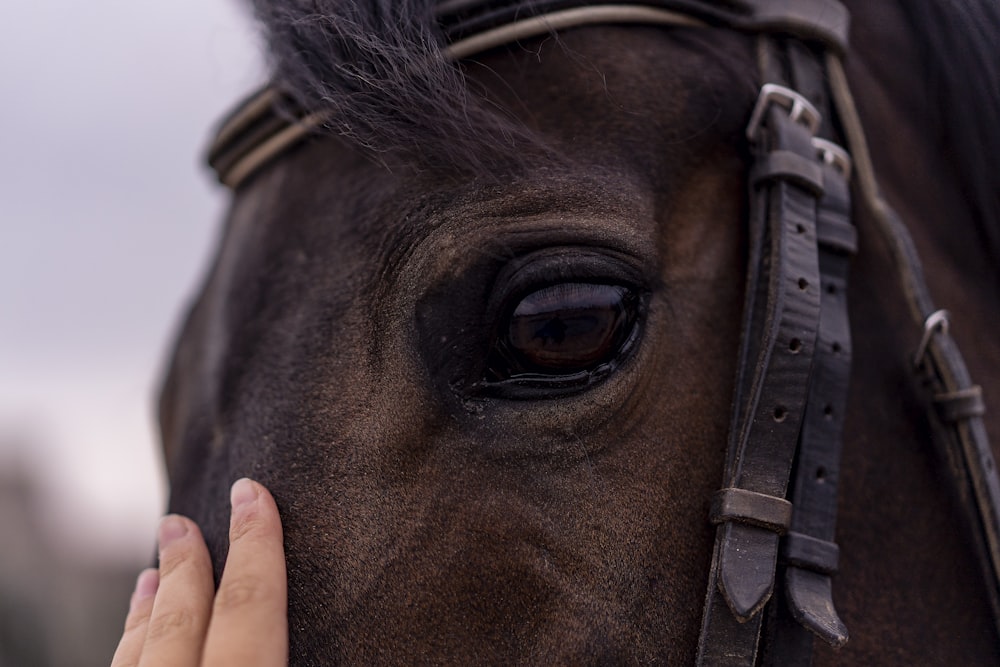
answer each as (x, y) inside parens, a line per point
(834, 155)
(936, 322)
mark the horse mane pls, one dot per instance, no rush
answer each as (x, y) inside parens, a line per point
(376, 68)
(962, 65)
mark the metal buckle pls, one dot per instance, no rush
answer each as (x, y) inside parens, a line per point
(835, 155)
(935, 322)
(800, 110)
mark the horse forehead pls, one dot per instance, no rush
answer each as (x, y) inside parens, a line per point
(634, 109)
(636, 78)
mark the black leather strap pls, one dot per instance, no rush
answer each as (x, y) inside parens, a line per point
(809, 553)
(940, 367)
(956, 415)
(955, 404)
(781, 314)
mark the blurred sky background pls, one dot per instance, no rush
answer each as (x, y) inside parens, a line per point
(107, 222)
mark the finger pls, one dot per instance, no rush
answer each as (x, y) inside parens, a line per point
(130, 647)
(183, 602)
(249, 621)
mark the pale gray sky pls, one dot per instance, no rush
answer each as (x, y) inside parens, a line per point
(107, 220)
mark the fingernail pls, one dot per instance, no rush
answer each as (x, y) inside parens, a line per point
(243, 493)
(172, 528)
(146, 585)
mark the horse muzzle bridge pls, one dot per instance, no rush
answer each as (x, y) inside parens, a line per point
(775, 515)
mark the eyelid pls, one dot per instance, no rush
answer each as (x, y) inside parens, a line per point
(548, 266)
(567, 290)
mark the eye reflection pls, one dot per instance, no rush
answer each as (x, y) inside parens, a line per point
(565, 329)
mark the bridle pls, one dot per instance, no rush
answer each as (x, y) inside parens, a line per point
(775, 516)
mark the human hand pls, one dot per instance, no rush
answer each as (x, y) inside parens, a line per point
(177, 618)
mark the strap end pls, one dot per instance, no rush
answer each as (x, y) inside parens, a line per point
(810, 600)
(747, 560)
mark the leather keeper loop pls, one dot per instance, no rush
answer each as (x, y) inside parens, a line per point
(810, 553)
(789, 166)
(958, 405)
(837, 236)
(754, 509)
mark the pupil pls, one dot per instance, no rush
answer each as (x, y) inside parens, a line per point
(553, 331)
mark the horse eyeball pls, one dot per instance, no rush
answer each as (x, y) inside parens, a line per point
(565, 329)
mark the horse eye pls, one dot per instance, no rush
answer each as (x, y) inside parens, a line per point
(564, 330)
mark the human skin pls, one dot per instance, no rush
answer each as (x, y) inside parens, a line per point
(176, 616)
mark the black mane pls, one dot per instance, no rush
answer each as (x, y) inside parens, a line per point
(962, 63)
(377, 65)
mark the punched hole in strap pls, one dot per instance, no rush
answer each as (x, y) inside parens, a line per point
(955, 406)
(810, 553)
(749, 507)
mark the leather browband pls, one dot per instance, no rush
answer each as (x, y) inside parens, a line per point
(270, 122)
(823, 21)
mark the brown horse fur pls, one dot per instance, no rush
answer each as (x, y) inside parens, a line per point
(334, 351)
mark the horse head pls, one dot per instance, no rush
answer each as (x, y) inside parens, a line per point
(480, 340)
